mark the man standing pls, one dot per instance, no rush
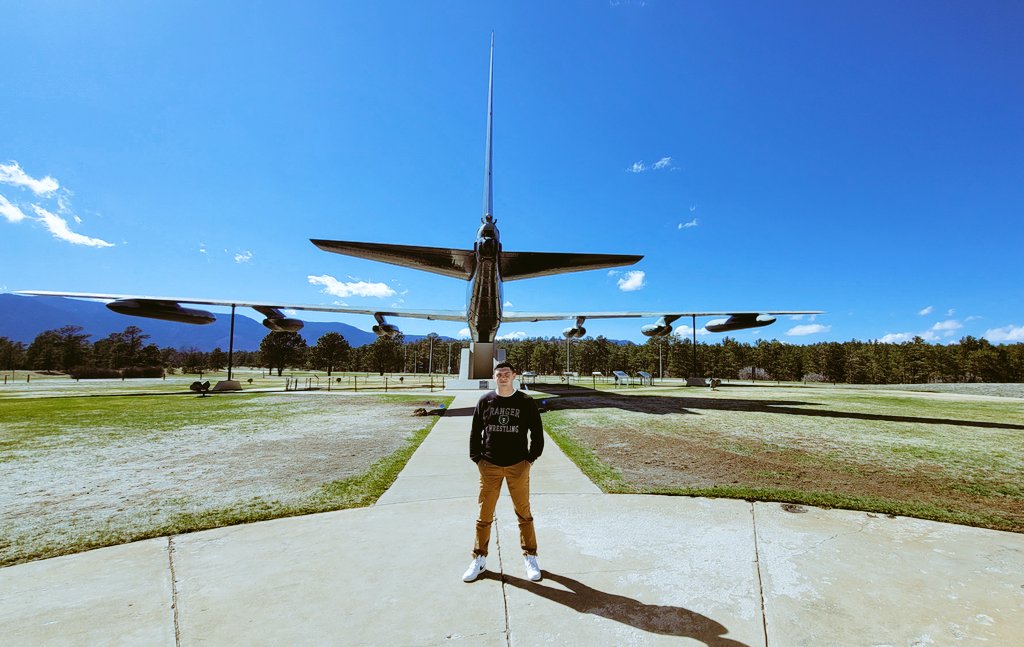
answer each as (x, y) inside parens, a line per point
(507, 436)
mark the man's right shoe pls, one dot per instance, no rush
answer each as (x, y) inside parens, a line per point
(475, 568)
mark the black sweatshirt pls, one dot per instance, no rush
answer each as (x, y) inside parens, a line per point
(499, 432)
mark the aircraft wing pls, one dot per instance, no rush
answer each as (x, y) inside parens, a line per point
(440, 315)
(562, 316)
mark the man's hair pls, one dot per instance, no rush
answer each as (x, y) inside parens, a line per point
(507, 365)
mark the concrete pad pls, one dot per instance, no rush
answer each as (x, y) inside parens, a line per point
(387, 575)
(112, 596)
(630, 569)
(852, 578)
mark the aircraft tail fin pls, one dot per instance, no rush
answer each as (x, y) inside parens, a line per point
(488, 189)
(526, 265)
(456, 263)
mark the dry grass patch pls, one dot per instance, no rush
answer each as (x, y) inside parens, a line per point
(949, 458)
(86, 472)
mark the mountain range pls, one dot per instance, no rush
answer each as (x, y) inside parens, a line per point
(23, 317)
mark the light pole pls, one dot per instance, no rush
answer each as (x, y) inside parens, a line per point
(450, 357)
(430, 359)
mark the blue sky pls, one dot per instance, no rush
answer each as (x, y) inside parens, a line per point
(862, 158)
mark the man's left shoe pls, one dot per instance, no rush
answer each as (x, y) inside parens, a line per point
(532, 569)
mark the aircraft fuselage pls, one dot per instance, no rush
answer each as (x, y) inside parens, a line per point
(485, 298)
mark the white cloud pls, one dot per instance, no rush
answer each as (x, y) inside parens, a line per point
(508, 304)
(202, 248)
(1009, 333)
(661, 164)
(948, 327)
(59, 228)
(896, 337)
(14, 175)
(807, 329)
(243, 257)
(512, 336)
(950, 312)
(614, 272)
(11, 212)
(926, 311)
(359, 288)
(463, 334)
(901, 337)
(687, 225)
(693, 208)
(632, 281)
(686, 332)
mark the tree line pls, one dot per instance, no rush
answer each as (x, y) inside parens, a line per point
(855, 362)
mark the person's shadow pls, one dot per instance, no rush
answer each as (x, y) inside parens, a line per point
(655, 618)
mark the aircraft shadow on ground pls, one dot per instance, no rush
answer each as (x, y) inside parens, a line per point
(577, 397)
(653, 618)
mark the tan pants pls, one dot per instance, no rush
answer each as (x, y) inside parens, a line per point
(518, 478)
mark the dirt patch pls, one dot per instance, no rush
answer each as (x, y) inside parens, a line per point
(797, 443)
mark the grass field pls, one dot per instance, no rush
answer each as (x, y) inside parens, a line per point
(84, 464)
(937, 455)
(87, 470)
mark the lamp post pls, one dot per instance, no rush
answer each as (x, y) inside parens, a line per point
(695, 373)
(450, 357)
(430, 359)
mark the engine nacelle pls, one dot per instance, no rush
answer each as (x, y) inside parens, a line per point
(276, 321)
(576, 332)
(656, 330)
(739, 322)
(386, 330)
(283, 324)
(166, 310)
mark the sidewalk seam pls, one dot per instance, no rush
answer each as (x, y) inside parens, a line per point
(504, 590)
(174, 590)
(760, 583)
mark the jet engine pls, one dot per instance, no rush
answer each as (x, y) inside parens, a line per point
(166, 310)
(576, 332)
(384, 329)
(276, 321)
(739, 322)
(660, 328)
(654, 330)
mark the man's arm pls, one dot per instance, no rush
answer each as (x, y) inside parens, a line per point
(476, 442)
(536, 427)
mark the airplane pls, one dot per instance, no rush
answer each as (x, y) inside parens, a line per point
(486, 267)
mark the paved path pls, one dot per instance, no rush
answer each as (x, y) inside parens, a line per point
(619, 570)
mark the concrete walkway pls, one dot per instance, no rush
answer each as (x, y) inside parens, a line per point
(618, 570)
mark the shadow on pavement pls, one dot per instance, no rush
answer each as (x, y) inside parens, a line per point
(576, 397)
(654, 618)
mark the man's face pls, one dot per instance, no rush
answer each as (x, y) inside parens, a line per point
(504, 376)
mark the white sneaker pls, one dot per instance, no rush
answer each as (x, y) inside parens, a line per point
(532, 569)
(475, 568)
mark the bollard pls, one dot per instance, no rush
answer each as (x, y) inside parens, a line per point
(355, 383)
(28, 378)
(385, 385)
